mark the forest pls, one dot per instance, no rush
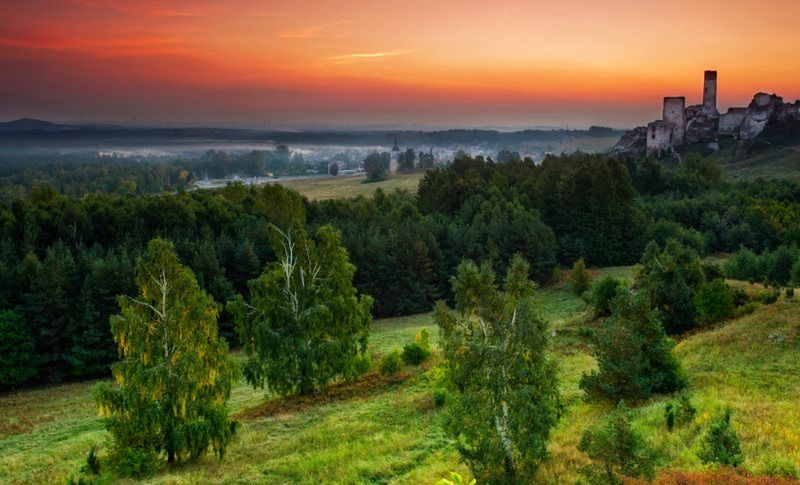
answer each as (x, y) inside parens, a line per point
(187, 297)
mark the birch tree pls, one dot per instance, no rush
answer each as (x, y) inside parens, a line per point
(304, 324)
(506, 398)
(174, 377)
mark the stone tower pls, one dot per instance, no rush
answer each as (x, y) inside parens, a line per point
(675, 113)
(710, 93)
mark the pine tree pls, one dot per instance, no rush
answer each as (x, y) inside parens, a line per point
(304, 324)
(174, 377)
(506, 398)
(634, 355)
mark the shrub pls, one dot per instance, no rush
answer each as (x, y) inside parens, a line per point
(603, 292)
(616, 450)
(440, 395)
(789, 292)
(795, 273)
(744, 265)
(391, 363)
(92, 461)
(135, 462)
(714, 301)
(680, 411)
(455, 479)
(633, 353)
(768, 297)
(720, 444)
(747, 308)
(778, 264)
(362, 364)
(739, 297)
(16, 351)
(417, 351)
(579, 279)
(415, 354)
(713, 271)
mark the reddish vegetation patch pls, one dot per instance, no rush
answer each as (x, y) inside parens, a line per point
(722, 476)
(362, 388)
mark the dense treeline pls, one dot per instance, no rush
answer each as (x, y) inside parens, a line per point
(64, 260)
(79, 174)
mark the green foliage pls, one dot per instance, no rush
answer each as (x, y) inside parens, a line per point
(714, 301)
(720, 443)
(617, 450)
(418, 351)
(789, 292)
(174, 377)
(17, 351)
(495, 347)
(406, 160)
(778, 466)
(680, 411)
(744, 265)
(633, 353)
(92, 461)
(670, 278)
(603, 292)
(135, 462)
(362, 364)
(376, 165)
(305, 324)
(747, 308)
(455, 479)
(768, 297)
(795, 273)
(391, 363)
(333, 169)
(579, 279)
(440, 396)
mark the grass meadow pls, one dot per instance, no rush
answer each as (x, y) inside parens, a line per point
(388, 430)
(344, 186)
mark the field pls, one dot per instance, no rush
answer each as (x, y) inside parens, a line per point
(388, 430)
(343, 186)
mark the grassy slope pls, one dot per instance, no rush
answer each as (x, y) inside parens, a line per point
(391, 433)
(343, 186)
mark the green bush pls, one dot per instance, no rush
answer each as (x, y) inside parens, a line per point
(712, 271)
(440, 395)
(579, 279)
(795, 273)
(720, 444)
(744, 265)
(417, 351)
(747, 308)
(16, 351)
(603, 292)
(391, 363)
(92, 461)
(789, 292)
(634, 355)
(713, 301)
(739, 297)
(362, 364)
(768, 297)
(616, 450)
(135, 462)
(680, 411)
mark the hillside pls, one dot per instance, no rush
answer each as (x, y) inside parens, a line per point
(387, 430)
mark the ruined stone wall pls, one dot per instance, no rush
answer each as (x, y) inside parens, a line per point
(730, 122)
(675, 113)
(660, 137)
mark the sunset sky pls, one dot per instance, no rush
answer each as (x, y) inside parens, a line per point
(414, 62)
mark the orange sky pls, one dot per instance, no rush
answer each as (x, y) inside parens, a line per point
(464, 63)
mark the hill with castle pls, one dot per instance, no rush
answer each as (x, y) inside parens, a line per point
(767, 116)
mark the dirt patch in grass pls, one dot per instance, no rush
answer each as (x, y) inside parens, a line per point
(363, 388)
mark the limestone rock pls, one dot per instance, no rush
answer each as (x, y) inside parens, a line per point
(633, 143)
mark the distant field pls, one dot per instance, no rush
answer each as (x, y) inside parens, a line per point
(387, 430)
(350, 186)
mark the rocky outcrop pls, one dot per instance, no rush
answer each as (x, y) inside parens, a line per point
(632, 143)
(701, 125)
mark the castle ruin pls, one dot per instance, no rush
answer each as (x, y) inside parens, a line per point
(703, 123)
